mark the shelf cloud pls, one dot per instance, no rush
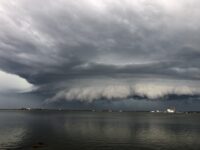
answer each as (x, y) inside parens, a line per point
(64, 47)
(148, 90)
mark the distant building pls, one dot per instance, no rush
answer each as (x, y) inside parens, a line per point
(110, 110)
(25, 108)
(171, 110)
(28, 108)
(168, 110)
(155, 111)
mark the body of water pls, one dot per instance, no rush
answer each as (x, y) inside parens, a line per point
(60, 130)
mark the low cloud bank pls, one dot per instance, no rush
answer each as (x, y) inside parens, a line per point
(117, 92)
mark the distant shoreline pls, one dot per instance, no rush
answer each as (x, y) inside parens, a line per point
(90, 110)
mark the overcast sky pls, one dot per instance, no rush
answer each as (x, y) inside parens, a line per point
(137, 54)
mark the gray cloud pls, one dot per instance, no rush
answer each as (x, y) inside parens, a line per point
(57, 45)
(124, 89)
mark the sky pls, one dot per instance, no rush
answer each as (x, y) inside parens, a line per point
(101, 54)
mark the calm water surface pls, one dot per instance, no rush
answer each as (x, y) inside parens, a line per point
(53, 130)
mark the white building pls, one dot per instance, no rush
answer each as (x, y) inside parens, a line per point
(171, 110)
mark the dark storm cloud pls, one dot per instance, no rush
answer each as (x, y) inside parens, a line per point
(59, 45)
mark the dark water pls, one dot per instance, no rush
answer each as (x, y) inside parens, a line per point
(92, 130)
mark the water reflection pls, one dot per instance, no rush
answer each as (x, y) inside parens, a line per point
(97, 128)
(144, 130)
(11, 137)
(87, 130)
(11, 132)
